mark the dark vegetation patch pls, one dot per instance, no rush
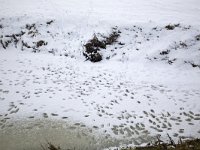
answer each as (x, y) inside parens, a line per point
(92, 49)
(17, 39)
(32, 30)
(50, 22)
(183, 45)
(197, 37)
(35, 47)
(165, 52)
(24, 44)
(5, 43)
(112, 38)
(192, 64)
(30, 26)
(178, 25)
(171, 61)
(168, 60)
(172, 26)
(93, 46)
(8, 39)
(164, 56)
(179, 46)
(40, 43)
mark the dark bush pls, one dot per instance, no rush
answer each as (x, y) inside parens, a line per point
(172, 26)
(94, 45)
(198, 37)
(95, 42)
(95, 57)
(165, 52)
(40, 43)
(92, 49)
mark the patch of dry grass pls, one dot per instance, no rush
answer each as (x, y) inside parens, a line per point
(191, 144)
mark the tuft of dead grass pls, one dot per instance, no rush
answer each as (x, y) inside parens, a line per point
(190, 144)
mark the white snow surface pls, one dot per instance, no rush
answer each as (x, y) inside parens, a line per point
(111, 11)
(136, 92)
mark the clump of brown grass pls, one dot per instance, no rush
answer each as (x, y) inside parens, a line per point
(191, 144)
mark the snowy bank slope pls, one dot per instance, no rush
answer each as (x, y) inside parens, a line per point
(147, 84)
(168, 43)
(142, 24)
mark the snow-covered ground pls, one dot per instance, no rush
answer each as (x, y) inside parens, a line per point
(148, 82)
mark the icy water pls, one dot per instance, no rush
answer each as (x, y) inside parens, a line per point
(32, 135)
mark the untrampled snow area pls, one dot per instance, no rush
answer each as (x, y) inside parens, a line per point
(148, 82)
